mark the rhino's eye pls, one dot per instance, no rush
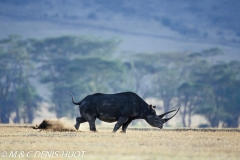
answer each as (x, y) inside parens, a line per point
(156, 119)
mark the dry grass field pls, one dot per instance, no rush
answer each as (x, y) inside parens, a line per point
(23, 142)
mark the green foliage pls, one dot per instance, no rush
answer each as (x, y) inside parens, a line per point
(76, 64)
(81, 65)
(17, 95)
(215, 85)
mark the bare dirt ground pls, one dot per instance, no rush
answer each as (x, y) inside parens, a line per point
(23, 142)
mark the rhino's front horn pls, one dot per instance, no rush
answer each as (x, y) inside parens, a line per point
(167, 119)
(162, 115)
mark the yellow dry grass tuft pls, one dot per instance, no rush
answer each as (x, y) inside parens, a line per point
(135, 144)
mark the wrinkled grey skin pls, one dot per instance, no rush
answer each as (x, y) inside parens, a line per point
(121, 107)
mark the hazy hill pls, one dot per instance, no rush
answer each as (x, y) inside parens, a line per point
(153, 25)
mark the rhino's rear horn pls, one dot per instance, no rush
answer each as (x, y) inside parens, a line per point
(167, 119)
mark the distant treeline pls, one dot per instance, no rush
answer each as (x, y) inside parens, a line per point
(200, 82)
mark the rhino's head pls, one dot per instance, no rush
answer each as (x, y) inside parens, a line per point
(157, 120)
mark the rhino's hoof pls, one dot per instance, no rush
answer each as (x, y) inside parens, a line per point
(76, 127)
(123, 132)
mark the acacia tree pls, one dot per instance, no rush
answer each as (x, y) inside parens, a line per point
(188, 98)
(197, 82)
(139, 75)
(157, 75)
(210, 82)
(77, 65)
(167, 77)
(220, 102)
(17, 95)
(232, 94)
(189, 92)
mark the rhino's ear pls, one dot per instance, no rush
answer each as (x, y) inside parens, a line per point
(150, 107)
(154, 107)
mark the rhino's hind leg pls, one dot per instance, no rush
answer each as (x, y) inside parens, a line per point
(125, 125)
(92, 125)
(91, 121)
(79, 120)
(120, 122)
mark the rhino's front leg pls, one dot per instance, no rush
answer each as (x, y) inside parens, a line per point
(120, 122)
(125, 125)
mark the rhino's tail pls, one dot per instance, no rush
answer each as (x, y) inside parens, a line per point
(74, 101)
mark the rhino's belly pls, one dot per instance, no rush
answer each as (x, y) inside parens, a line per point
(107, 118)
(108, 113)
